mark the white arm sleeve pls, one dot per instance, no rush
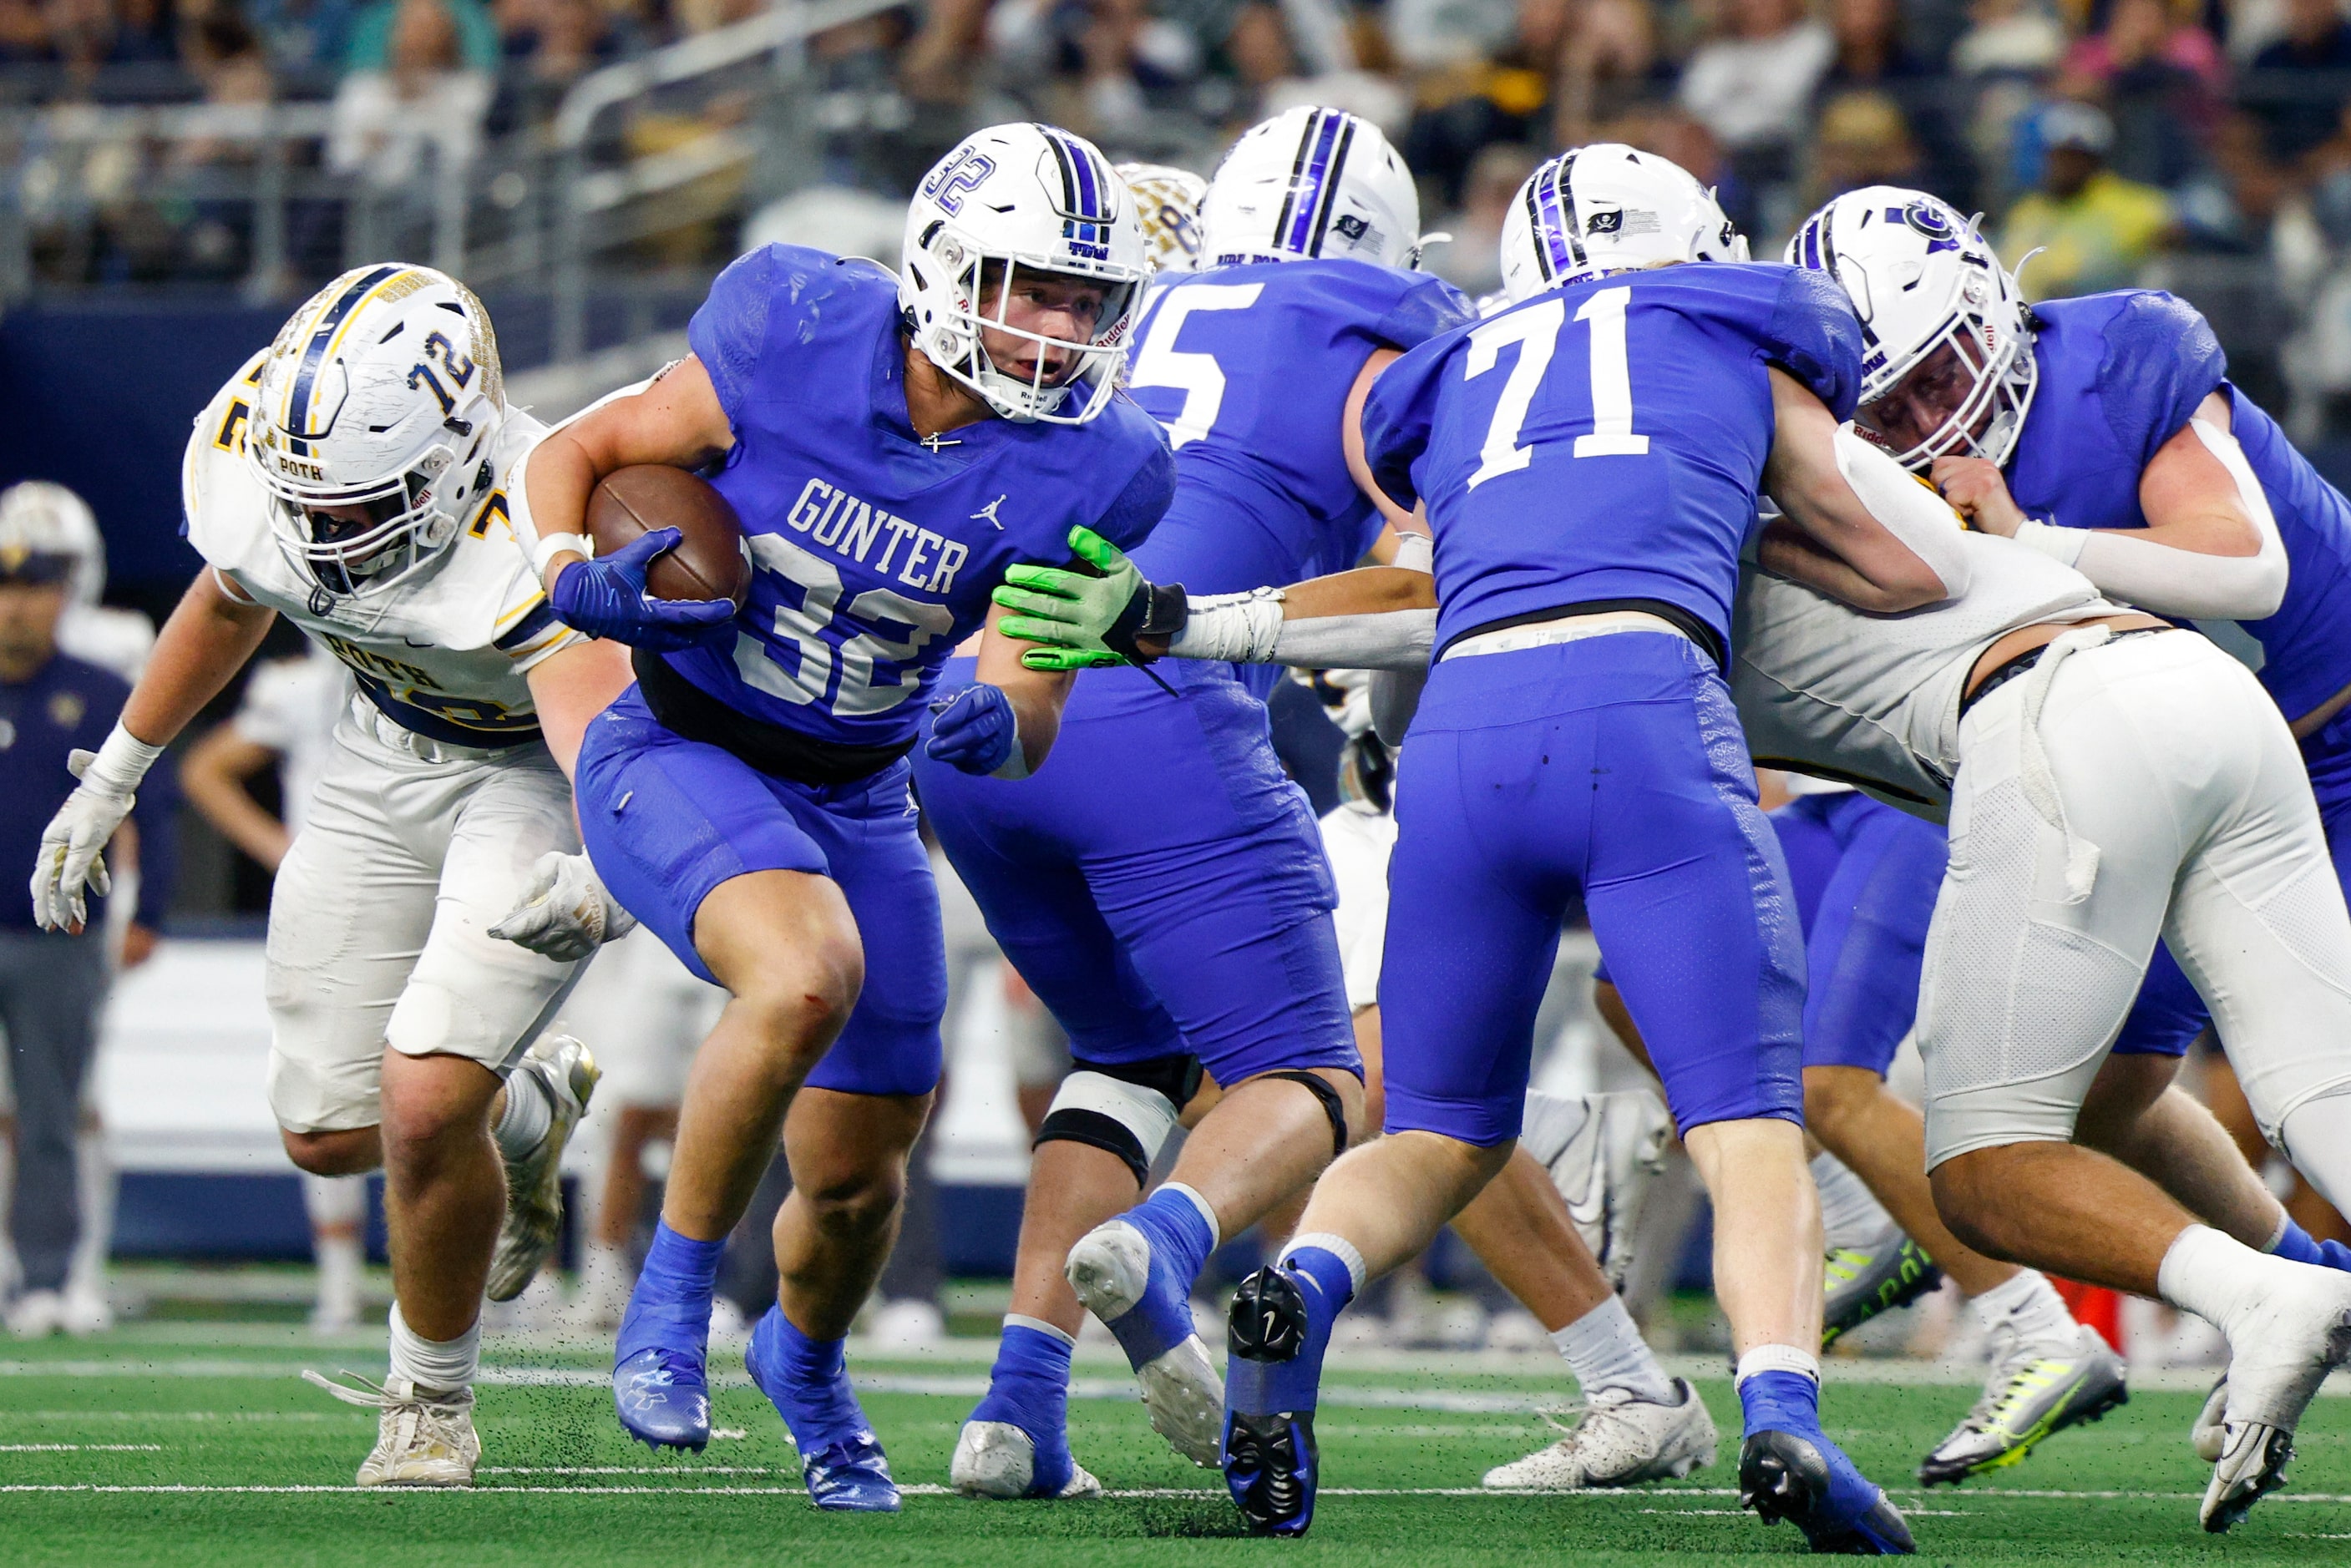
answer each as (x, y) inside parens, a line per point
(1909, 511)
(1395, 698)
(2183, 582)
(1248, 628)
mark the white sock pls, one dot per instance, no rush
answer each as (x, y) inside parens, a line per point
(2219, 1278)
(2029, 1305)
(1551, 1123)
(1777, 1358)
(334, 1200)
(94, 1187)
(1021, 1320)
(339, 1259)
(441, 1365)
(1338, 1246)
(528, 1114)
(11, 1273)
(1604, 1350)
(1850, 1215)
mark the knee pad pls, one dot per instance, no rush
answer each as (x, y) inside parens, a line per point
(1126, 1108)
(1327, 1096)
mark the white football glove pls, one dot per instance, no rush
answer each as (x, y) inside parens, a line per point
(564, 913)
(73, 845)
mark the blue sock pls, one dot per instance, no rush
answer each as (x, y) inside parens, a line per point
(1029, 1388)
(1292, 1386)
(2295, 1246)
(670, 1307)
(1780, 1402)
(1180, 1243)
(808, 1381)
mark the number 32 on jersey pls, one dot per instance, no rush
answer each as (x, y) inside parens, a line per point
(1536, 332)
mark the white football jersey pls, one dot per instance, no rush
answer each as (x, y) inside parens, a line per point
(443, 655)
(1828, 690)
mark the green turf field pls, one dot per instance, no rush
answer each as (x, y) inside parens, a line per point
(193, 1445)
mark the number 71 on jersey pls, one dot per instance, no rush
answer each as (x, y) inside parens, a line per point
(1536, 332)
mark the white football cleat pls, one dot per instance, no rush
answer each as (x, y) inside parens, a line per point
(85, 1311)
(998, 1459)
(2278, 1358)
(1617, 1440)
(422, 1438)
(36, 1315)
(534, 1222)
(1605, 1169)
(1109, 1270)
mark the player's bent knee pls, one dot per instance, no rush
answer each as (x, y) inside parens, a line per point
(348, 1151)
(1340, 1095)
(1125, 1109)
(1835, 1099)
(855, 1203)
(1971, 1191)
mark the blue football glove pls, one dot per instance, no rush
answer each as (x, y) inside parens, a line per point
(607, 598)
(976, 730)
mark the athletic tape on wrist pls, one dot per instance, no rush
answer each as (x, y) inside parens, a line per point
(122, 760)
(2063, 544)
(554, 545)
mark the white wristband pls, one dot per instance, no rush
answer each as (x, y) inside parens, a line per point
(555, 545)
(1415, 553)
(1015, 764)
(2058, 544)
(122, 762)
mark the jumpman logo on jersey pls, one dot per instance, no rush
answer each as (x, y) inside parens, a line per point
(987, 513)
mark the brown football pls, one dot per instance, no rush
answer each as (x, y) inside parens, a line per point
(711, 562)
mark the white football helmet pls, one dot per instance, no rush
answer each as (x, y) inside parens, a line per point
(1167, 201)
(1311, 182)
(41, 519)
(383, 393)
(1922, 278)
(1015, 196)
(1605, 208)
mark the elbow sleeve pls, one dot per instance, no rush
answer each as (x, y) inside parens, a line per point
(1393, 639)
(2186, 582)
(1906, 508)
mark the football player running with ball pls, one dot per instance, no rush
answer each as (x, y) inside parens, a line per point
(1577, 735)
(892, 446)
(354, 478)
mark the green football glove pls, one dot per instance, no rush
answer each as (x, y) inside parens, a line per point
(1082, 621)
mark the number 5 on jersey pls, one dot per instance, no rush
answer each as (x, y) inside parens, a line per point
(1197, 376)
(1536, 332)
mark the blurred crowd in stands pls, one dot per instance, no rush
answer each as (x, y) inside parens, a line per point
(2110, 136)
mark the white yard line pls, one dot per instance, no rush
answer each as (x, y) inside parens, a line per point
(1646, 1495)
(81, 1448)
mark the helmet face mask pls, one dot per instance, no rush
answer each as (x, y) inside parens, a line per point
(972, 271)
(1609, 208)
(371, 425)
(1948, 368)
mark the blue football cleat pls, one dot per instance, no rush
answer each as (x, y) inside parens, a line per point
(851, 1477)
(1804, 1478)
(1270, 1457)
(841, 1460)
(663, 1398)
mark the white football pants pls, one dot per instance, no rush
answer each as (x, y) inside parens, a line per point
(2122, 790)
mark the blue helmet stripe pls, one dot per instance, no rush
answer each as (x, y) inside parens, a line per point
(298, 409)
(1090, 203)
(1334, 179)
(1297, 168)
(1309, 186)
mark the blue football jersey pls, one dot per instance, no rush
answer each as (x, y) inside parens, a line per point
(1605, 442)
(875, 551)
(1249, 368)
(2121, 374)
